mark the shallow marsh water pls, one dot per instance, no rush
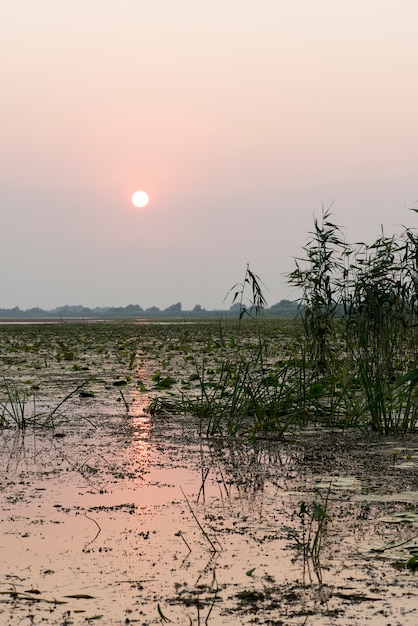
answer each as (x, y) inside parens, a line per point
(147, 522)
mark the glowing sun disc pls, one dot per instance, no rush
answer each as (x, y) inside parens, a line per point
(140, 199)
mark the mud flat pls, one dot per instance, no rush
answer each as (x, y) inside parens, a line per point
(138, 519)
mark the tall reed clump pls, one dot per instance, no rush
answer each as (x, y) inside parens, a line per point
(360, 302)
(380, 321)
(318, 276)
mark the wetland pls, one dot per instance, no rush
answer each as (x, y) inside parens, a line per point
(142, 483)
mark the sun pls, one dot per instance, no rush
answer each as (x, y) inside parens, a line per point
(140, 199)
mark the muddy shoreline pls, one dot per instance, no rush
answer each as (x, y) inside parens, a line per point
(100, 512)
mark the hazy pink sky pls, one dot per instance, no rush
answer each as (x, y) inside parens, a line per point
(240, 118)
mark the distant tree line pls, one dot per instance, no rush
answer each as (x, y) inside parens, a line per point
(284, 308)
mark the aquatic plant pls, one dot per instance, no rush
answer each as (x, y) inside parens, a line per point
(17, 410)
(222, 403)
(246, 394)
(359, 312)
(213, 548)
(14, 409)
(314, 518)
(318, 276)
(380, 314)
(257, 301)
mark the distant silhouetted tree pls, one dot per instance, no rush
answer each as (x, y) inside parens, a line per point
(174, 308)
